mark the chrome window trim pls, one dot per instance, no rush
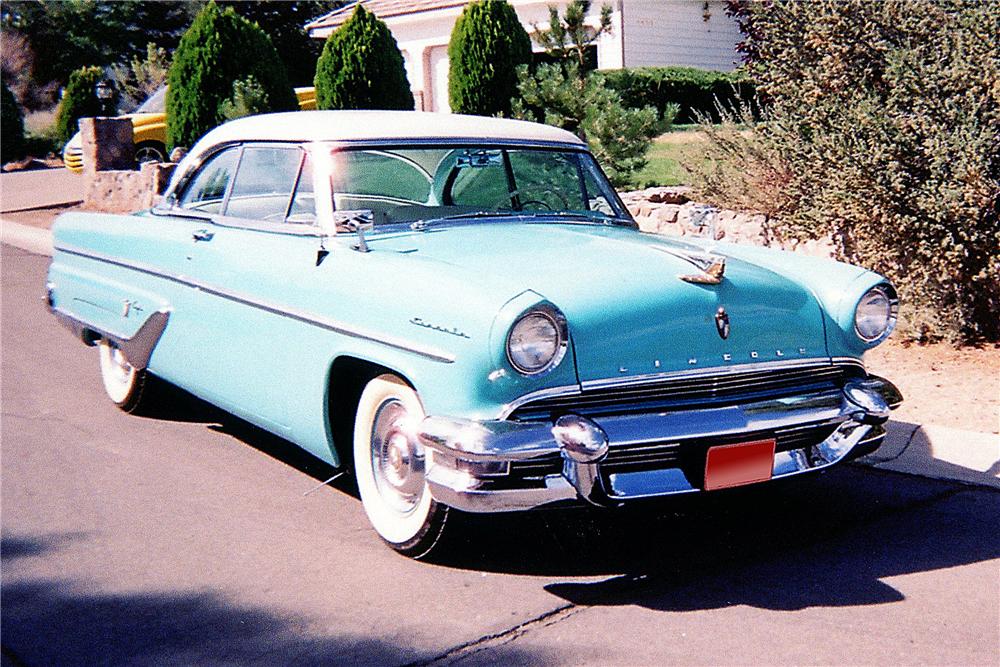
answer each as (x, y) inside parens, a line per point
(638, 380)
(295, 314)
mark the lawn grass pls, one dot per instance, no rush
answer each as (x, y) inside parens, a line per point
(681, 144)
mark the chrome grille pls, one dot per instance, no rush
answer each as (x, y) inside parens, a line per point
(688, 454)
(690, 391)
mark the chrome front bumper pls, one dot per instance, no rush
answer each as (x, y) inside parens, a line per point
(469, 462)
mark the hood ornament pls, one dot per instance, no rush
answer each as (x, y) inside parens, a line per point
(712, 266)
(722, 323)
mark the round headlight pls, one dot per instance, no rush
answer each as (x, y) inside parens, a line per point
(537, 341)
(875, 316)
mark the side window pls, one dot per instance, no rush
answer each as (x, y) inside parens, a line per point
(207, 189)
(263, 186)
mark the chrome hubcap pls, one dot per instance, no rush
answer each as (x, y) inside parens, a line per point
(397, 459)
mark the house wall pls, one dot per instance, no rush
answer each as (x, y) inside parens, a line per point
(656, 32)
(693, 33)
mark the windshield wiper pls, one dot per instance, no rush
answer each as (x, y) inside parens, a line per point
(420, 225)
(588, 216)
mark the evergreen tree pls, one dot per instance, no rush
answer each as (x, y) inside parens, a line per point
(11, 127)
(361, 67)
(487, 46)
(218, 49)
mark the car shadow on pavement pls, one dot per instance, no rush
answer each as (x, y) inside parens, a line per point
(829, 540)
(171, 403)
(65, 622)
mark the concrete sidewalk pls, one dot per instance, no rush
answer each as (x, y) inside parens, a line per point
(926, 450)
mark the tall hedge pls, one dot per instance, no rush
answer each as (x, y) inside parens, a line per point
(218, 49)
(487, 45)
(697, 92)
(11, 127)
(79, 101)
(361, 67)
(882, 133)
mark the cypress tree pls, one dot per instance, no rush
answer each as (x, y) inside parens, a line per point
(11, 127)
(218, 49)
(486, 47)
(361, 67)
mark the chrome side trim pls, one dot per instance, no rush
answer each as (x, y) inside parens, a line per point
(270, 307)
(138, 349)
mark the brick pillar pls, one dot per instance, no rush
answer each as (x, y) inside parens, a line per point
(107, 144)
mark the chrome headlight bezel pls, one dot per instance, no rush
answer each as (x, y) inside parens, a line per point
(557, 320)
(887, 292)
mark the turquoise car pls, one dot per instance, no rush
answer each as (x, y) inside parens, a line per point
(461, 311)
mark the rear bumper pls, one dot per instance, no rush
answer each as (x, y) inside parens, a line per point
(611, 460)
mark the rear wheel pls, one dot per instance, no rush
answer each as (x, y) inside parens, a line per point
(123, 382)
(389, 464)
(150, 151)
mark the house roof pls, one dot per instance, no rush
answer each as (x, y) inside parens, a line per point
(382, 9)
(360, 126)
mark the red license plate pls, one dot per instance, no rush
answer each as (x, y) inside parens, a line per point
(742, 463)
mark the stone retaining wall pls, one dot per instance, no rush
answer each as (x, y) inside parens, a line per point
(112, 182)
(669, 211)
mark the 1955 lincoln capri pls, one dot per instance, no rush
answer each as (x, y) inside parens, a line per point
(462, 310)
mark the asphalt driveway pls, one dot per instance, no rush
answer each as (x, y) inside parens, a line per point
(190, 537)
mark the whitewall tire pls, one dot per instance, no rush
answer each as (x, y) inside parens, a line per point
(389, 463)
(123, 383)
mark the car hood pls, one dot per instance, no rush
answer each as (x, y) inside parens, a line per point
(628, 311)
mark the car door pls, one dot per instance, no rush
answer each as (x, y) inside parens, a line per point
(252, 265)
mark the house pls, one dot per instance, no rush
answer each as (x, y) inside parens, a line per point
(694, 33)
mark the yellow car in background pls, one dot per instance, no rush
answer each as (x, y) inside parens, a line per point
(149, 129)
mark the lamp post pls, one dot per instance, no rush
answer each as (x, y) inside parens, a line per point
(105, 91)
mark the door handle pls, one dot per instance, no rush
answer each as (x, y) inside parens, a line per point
(202, 235)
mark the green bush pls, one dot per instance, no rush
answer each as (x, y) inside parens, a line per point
(696, 92)
(618, 136)
(882, 132)
(218, 49)
(79, 101)
(486, 48)
(361, 67)
(11, 127)
(249, 98)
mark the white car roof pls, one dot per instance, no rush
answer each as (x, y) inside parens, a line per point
(379, 125)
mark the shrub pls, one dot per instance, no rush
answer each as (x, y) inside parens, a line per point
(141, 77)
(696, 92)
(486, 48)
(11, 126)
(882, 132)
(619, 137)
(80, 101)
(361, 67)
(219, 48)
(249, 98)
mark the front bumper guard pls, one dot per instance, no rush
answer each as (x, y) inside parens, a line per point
(465, 455)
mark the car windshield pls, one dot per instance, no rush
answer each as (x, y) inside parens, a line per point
(156, 103)
(423, 185)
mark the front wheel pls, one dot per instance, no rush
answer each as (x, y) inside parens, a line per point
(389, 464)
(123, 382)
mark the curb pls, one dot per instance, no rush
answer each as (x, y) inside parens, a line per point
(939, 452)
(33, 239)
